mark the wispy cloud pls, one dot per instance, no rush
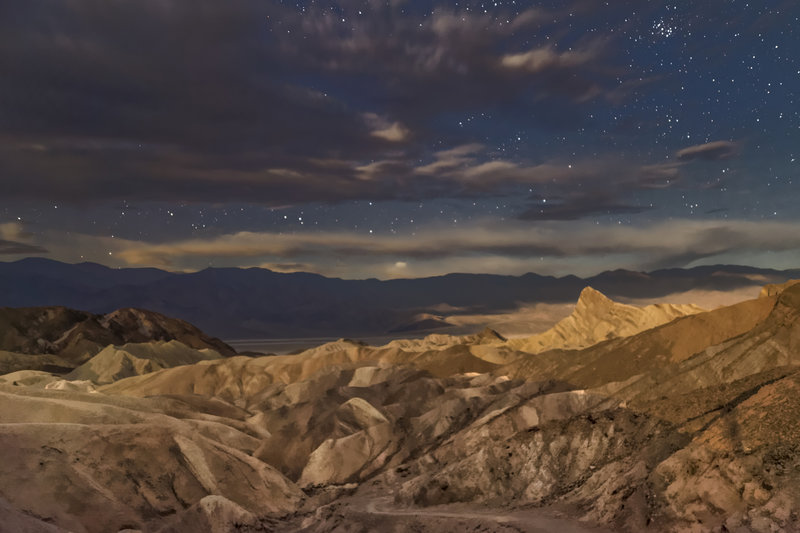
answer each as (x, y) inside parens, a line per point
(711, 151)
(545, 58)
(385, 129)
(670, 243)
(15, 240)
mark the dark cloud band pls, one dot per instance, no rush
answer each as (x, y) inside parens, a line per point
(19, 248)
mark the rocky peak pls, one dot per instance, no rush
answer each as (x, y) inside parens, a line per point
(597, 318)
(593, 300)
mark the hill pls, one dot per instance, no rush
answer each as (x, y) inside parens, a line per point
(75, 336)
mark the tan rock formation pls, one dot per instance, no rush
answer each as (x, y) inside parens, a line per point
(596, 318)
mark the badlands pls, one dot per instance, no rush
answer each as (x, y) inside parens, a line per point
(619, 418)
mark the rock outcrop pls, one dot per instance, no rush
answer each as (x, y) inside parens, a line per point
(76, 336)
(597, 318)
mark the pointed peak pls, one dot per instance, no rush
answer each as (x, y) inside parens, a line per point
(593, 297)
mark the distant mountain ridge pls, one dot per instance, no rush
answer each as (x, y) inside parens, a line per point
(255, 302)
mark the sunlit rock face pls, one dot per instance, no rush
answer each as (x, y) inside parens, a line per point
(597, 318)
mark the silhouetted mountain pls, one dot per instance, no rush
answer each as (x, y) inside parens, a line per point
(255, 302)
(629, 284)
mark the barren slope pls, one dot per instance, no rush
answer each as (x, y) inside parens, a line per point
(134, 359)
(89, 462)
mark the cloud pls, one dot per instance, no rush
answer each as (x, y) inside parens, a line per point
(573, 243)
(470, 169)
(434, 243)
(453, 57)
(384, 129)
(19, 248)
(396, 132)
(14, 240)
(125, 112)
(252, 101)
(398, 269)
(288, 267)
(541, 59)
(450, 159)
(12, 230)
(576, 189)
(711, 151)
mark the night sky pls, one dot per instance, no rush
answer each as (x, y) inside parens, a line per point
(401, 138)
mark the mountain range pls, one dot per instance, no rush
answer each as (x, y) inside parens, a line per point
(235, 303)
